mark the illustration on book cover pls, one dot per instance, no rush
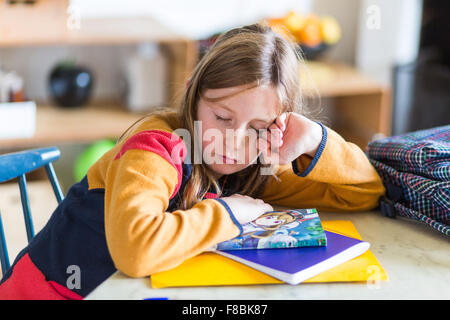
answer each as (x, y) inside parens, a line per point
(280, 229)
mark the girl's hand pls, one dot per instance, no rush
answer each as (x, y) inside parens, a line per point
(289, 137)
(245, 208)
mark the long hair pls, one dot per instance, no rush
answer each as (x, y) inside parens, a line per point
(248, 56)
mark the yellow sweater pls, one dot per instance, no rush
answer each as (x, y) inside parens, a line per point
(142, 175)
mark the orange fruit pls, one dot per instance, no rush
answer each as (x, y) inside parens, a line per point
(271, 22)
(278, 26)
(311, 35)
(294, 21)
(330, 29)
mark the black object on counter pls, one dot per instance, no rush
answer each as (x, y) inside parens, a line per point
(312, 53)
(71, 85)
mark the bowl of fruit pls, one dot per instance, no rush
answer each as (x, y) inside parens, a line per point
(313, 33)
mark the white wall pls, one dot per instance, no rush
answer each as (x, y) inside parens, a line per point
(389, 34)
(194, 18)
(371, 47)
(346, 13)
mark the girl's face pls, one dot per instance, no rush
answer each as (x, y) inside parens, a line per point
(230, 126)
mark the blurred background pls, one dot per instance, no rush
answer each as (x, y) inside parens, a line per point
(75, 74)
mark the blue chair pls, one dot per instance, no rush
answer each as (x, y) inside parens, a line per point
(16, 165)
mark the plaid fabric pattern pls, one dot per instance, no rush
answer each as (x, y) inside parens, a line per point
(415, 169)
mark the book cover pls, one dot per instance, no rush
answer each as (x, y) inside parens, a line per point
(280, 229)
(295, 265)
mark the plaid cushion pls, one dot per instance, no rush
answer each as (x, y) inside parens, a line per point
(415, 169)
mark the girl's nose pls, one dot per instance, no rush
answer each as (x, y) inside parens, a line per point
(234, 142)
(240, 139)
(241, 135)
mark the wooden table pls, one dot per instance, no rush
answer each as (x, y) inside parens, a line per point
(415, 257)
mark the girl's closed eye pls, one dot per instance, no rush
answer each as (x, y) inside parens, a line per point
(222, 118)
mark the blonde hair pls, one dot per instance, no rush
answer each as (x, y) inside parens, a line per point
(247, 56)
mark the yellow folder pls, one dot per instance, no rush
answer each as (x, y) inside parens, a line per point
(211, 269)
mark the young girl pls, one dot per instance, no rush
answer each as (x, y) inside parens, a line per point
(147, 205)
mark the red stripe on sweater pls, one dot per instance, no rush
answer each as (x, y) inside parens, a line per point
(165, 144)
(210, 195)
(28, 283)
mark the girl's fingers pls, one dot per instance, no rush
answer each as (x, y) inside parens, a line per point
(281, 121)
(270, 141)
(276, 136)
(264, 149)
(269, 155)
(263, 146)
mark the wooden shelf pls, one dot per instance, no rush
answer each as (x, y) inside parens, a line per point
(333, 79)
(56, 125)
(108, 31)
(47, 22)
(121, 31)
(362, 106)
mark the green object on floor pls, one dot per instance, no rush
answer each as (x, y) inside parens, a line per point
(89, 156)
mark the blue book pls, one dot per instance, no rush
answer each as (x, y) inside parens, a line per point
(280, 229)
(295, 265)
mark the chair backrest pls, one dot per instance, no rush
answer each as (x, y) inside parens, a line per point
(17, 165)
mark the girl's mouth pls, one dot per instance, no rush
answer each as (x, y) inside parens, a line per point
(227, 160)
